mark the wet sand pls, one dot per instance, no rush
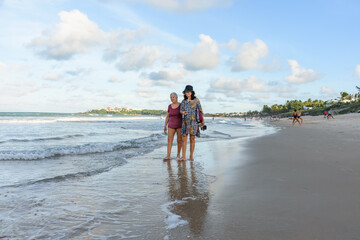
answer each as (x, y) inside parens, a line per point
(300, 183)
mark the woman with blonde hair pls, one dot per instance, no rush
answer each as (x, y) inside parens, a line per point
(174, 122)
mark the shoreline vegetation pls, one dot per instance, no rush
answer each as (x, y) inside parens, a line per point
(126, 111)
(346, 103)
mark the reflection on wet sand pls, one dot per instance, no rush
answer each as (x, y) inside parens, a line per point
(188, 186)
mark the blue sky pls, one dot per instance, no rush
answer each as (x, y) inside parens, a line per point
(71, 56)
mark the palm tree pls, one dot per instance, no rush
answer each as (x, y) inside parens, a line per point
(343, 95)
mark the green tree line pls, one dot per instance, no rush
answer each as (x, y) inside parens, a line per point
(128, 112)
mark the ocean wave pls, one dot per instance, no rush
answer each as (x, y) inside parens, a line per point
(221, 133)
(69, 176)
(46, 138)
(39, 120)
(89, 148)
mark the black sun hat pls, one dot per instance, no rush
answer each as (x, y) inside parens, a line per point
(188, 88)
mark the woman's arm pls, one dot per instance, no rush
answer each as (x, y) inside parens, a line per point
(182, 109)
(200, 111)
(166, 122)
(167, 119)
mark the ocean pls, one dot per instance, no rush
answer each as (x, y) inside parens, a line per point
(75, 176)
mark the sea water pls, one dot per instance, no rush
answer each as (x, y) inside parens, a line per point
(65, 176)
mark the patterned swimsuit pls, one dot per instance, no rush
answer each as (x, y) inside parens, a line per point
(190, 121)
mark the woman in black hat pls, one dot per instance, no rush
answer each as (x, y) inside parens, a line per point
(190, 110)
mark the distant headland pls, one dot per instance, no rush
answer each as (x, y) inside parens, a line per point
(126, 111)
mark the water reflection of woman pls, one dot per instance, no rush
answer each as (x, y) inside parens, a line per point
(185, 186)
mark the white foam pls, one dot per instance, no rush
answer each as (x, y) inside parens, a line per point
(149, 141)
(173, 220)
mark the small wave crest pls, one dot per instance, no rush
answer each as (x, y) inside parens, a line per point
(221, 133)
(44, 138)
(69, 176)
(89, 148)
(40, 120)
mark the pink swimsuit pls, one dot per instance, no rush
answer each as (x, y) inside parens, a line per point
(175, 118)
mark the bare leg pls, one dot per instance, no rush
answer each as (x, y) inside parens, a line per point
(192, 147)
(171, 133)
(293, 122)
(184, 140)
(301, 120)
(179, 141)
(298, 122)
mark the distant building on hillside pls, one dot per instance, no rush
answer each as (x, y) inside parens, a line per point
(307, 108)
(347, 100)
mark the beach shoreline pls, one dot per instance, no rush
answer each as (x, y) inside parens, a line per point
(300, 183)
(277, 182)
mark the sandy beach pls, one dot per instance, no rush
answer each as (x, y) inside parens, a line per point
(300, 183)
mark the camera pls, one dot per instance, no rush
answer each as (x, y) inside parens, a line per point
(203, 127)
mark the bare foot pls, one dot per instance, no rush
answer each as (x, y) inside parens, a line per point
(181, 159)
(191, 158)
(166, 158)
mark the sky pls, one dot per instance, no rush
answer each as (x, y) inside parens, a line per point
(73, 56)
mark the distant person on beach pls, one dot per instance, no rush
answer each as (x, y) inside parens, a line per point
(295, 118)
(190, 110)
(325, 114)
(299, 116)
(330, 114)
(174, 122)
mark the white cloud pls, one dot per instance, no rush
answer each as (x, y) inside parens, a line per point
(2, 66)
(231, 45)
(146, 82)
(301, 75)
(184, 5)
(286, 95)
(145, 92)
(233, 87)
(260, 96)
(138, 57)
(249, 56)
(205, 55)
(357, 70)
(327, 90)
(80, 71)
(122, 39)
(169, 74)
(51, 76)
(18, 89)
(47, 85)
(114, 79)
(106, 93)
(73, 35)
